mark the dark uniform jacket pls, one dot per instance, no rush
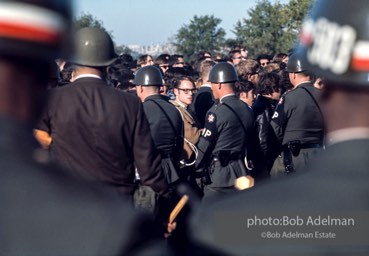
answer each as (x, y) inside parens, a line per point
(336, 184)
(297, 116)
(47, 210)
(223, 133)
(103, 133)
(166, 127)
(263, 111)
(203, 100)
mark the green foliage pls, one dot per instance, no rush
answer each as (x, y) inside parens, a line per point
(87, 20)
(272, 28)
(201, 34)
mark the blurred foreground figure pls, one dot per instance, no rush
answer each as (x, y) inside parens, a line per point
(45, 210)
(336, 184)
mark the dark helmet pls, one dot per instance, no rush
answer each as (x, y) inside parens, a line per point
(35, 29)
(296, 63)
(94, 48)
(148, 76)
(335, 41)
(223, 72)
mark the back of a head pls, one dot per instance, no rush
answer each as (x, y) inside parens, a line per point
(205, 67)
(148, 76)
(341, 57)
(36, 30)
(94, 48)
(247, 67)
(223, 72)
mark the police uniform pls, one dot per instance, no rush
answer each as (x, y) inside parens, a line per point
(102, 133)
(297, 119)
(166, 127)
(222, 143)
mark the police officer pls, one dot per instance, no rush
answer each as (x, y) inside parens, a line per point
(225, 136)
(337, 182)
(97, 130)
(297, 120)
(165, 121)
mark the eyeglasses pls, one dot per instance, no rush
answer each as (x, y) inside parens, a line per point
(186, 91)
(264, 63)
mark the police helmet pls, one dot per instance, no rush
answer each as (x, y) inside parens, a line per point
(35, 29)
(94, 48)
(335, 41)
(223, 72)
(296, 64)
(148, 76)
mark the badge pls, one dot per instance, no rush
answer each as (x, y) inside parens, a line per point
(211, 118)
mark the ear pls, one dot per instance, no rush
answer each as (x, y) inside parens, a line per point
(140, 88)
(175, 91)
(219, 86)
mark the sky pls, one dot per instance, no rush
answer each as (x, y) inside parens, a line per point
(146, 22)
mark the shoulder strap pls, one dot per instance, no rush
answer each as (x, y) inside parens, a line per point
(313, 98)
(249, 168)
(235, 113)
(166, 115)
(316, 103)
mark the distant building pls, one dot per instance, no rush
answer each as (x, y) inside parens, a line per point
(153, 49)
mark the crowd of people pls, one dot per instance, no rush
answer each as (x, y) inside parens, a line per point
(121, 140)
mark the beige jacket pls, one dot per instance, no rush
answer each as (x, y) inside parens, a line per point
(191, 131)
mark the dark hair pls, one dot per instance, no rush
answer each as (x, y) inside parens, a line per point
(263, 56)
(174, 59)
(66, 74)
(243, 86)
(268, 83)
(119, 76)
(176, 81)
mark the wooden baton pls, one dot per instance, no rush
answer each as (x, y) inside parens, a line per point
(173, 215)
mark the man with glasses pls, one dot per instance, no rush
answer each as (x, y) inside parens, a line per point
(184, 89)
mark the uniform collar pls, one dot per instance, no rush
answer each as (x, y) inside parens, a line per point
(157, 97)
(224, 98)
(87, 76)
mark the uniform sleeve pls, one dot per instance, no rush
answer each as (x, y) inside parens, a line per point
(207, 139)
(280, 118)
(147, 158)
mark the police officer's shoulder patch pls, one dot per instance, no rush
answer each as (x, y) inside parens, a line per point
(211, 118)
(210, 128)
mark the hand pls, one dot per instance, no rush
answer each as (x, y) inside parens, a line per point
(170, 228)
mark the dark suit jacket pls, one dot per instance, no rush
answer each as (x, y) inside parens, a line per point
(103, 133)
(336, 183)
(46, 210)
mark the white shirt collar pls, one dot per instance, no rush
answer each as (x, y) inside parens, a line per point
(206, 85)
(227, 95)
(87, 75)
(346, 134)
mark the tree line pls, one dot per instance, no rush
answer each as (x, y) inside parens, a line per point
(269, 28)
